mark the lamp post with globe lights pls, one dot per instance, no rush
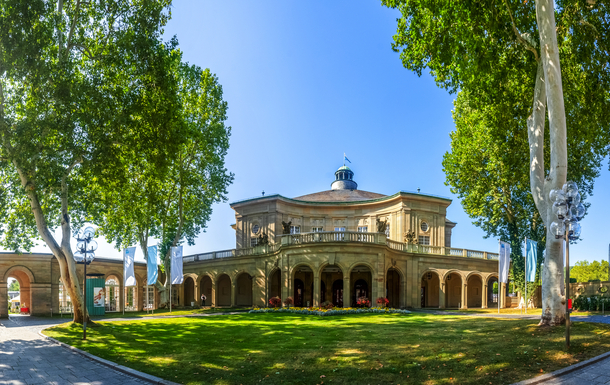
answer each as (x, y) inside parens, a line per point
(85, 253)
(569, 211)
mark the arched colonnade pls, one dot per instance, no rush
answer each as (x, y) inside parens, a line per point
(458, 289)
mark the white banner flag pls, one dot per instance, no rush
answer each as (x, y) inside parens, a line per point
(504, 261)
(176, 265)
(128, 271)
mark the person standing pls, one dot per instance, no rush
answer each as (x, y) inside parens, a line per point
(203, 298)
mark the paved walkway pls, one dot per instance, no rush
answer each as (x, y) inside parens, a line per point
(27, 358)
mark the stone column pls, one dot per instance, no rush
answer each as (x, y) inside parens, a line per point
(484, 297)
(180, 289)
(441, 295)
(347, 296)
(233, 292)
(3, 300)
(464, 294)
(197, 293)
(213, 299)
(316, 290)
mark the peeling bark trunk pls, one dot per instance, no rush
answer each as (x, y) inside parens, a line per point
(63, 254)
(553, 299)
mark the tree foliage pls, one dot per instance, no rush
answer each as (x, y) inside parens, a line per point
(13, 286)
(73, 77)
(585, 271)
(490, 53)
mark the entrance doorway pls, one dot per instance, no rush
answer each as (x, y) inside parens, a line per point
(302, 292)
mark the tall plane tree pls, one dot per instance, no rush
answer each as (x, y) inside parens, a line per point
(480, 47)
(172, 202)
(71, 75)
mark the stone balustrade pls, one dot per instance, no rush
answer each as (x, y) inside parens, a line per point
(341, 236)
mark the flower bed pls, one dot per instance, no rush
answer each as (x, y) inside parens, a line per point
(328, 312)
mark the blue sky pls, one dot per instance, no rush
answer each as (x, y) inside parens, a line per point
(306, 82)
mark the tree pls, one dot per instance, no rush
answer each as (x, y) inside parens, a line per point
(71, 77)
(13, 286)
(584, 271)
(504, 57)
(170, 197)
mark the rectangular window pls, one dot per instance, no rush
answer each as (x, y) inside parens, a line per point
(253, 242)
(339, 237)
(362, 229)
(424, 240)
(316, 229)
(151, 297)
(295, 229)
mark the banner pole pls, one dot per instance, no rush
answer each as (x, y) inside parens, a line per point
(147, 303)
(170, 282)
(525, 275)
(499, 284)
(124, 271)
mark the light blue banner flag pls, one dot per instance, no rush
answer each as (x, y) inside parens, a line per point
(176, 265)
(504, 261)
(128, 271)
(152, 265)
(531, 256)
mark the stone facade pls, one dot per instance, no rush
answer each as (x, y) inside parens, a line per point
(39, 280)
(323, 247)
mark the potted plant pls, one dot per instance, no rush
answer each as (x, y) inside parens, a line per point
(288, 301)
(363, 302)
(382, 301)
(275, 301)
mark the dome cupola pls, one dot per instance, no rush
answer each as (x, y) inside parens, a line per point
(344, 179)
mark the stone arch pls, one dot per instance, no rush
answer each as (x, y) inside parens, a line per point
(113, 292)
(25, 277)
(453, 289)
(475, 272)
(453, 271)
(361, 284)
(302, 284)
(430, 288)
(243, 288)
(395, 281)
(274, 283)
(330, 289)
(21, 268)
(223, 289)
(474, 290)
(206, 284)
(492, 299)
(189, 285)
(356, 264)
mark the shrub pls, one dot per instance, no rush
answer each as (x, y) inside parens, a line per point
(592, 303)
(383, 301)
(363, 302)
(327, 305)
(288, 301)
(275, 301)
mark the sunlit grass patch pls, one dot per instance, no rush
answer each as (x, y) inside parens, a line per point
(354, 349)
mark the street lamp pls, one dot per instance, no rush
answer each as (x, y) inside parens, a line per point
(569, 211)
(85, 253)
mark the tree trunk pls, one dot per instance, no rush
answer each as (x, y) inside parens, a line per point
(553, 299)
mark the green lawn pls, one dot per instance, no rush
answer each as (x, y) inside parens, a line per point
(355, 349)
(517, 311)
(160, 312)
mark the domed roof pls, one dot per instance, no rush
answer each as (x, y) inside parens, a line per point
(343, 168)
(344, 179)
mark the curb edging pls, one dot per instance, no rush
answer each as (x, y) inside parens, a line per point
(120, 368)
(562, 372)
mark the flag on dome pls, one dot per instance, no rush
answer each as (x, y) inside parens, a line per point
(176, 265)
(345, 158)
(151, 265)
(128, 271)
(504, 261)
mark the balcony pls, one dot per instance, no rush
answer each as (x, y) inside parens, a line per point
(341, 237)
